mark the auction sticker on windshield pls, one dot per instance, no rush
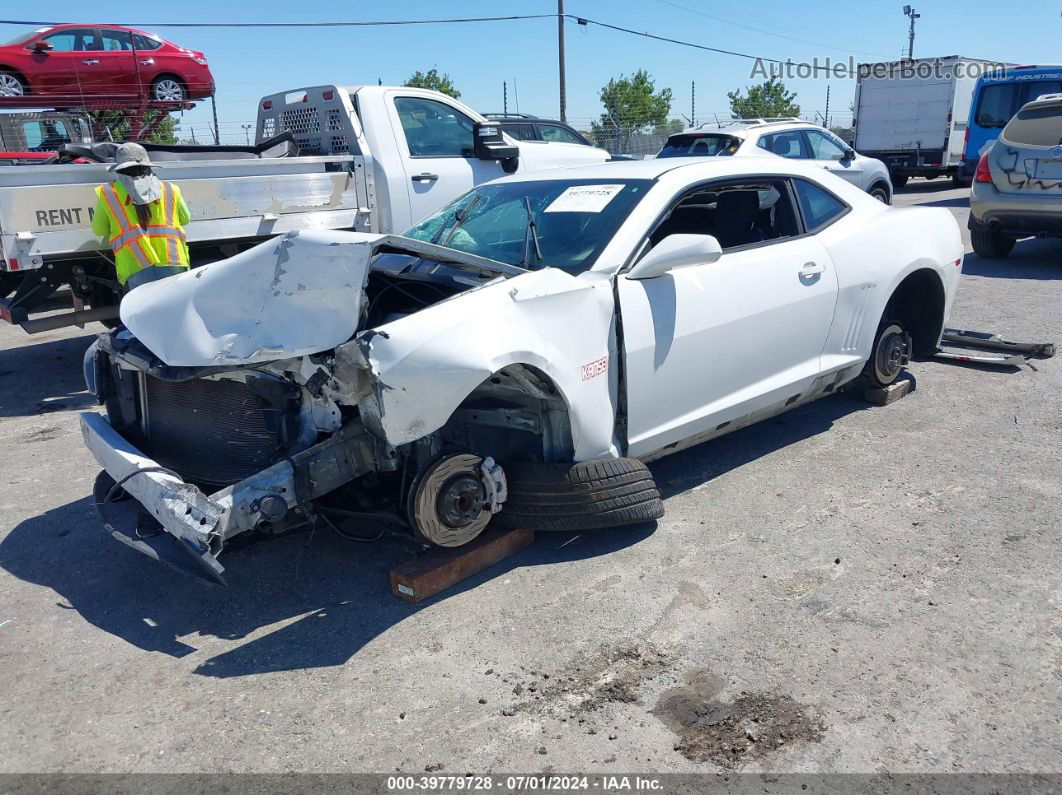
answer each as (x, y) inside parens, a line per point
(584, 199)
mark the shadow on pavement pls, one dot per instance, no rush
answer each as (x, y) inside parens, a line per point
(44, 377)
(1032, 258)
(335, 593)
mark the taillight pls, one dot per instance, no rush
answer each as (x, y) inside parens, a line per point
(965, 143)
(267, 105)
(328, 96)
(983, 173)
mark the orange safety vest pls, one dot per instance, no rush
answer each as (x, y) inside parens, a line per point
(163, 242)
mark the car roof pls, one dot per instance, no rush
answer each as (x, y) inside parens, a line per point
(1043, 101)
(738, 126)
(699, 167)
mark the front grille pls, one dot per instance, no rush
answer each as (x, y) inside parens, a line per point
(216, 432)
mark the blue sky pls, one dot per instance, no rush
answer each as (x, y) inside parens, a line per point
(248, 63)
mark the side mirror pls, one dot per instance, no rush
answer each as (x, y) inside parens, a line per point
(490, 143)
(676, 251)
(42, 46)
(849, 154)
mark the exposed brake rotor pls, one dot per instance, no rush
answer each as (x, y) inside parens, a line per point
(454, 499)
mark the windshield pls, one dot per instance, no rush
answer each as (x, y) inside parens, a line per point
(700, 145)
(23, 37)
(559, 223)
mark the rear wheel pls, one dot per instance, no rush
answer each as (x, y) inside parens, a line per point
(991, 244)
(168, 89)
(892, 350)
(606, 492)
(898, 180)
(12, 85)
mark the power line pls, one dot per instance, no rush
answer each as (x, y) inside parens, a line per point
(296, 24)
(764, 31)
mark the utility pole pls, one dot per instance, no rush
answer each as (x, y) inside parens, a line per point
(909, 12)
(247, 133)
(560, 60)
(693, 103)
(505, 97)
(827, 118)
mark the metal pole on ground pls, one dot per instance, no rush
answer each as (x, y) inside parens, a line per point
(560, 60)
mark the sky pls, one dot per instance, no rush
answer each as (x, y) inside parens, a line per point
(249, 63)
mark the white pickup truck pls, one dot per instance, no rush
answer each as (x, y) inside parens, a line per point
(364, 158)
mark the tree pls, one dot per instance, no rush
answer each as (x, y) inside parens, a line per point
(118, 125)
(631, 106)
(433, 80)
(769, 99)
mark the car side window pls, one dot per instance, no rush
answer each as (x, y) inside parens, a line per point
(116, 40)
(434, 129)
(145, 42)
(823, 147)
(521, 132)
(737, 214)
(74, 40)
(819, 206)
(552, 132)
(789, 143)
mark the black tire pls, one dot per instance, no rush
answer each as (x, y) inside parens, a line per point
(957, 181)
(605, 492)
(881, 193)
(891, 351)
(991, 245)
(12, 84)
(898, 180)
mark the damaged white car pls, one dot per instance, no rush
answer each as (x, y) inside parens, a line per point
(517, 356)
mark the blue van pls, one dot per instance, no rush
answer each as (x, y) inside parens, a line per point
(996, 98)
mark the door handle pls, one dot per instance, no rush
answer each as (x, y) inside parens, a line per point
(425, 177)
(812, 268)
(147, 62)
(91, 62)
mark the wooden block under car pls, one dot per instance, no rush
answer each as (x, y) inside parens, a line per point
(438, 569)
(883, 396)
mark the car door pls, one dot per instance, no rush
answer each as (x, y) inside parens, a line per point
(116, 72)
(709, 345)
(60, 70)
(435, 139)
(832, 155)
(556, 133)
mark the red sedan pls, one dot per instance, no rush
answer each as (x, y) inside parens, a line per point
(94, 60)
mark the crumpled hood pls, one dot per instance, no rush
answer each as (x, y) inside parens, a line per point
(294, 295)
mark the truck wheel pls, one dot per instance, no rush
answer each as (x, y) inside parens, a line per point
(891, 351)
(991, 245)
(605, 492)
(12, 85)
(898, 180)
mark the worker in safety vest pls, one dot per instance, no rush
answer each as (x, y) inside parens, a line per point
(142, 218)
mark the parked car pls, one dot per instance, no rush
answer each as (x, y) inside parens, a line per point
(1017, 187)
(96, 60)
(475, 367)
(524, 127)
(790, 138)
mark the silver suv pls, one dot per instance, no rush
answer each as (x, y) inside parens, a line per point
(785, 137)
(1017, 188)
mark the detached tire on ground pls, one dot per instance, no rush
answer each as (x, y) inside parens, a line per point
(605, 492)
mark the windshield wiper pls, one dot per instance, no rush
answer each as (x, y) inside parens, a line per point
(459, 218)
(530, 231)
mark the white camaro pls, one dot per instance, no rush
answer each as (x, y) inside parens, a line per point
(520, 353)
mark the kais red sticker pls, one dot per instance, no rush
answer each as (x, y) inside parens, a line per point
(594, 369)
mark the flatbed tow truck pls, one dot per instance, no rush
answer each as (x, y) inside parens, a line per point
(363, 158)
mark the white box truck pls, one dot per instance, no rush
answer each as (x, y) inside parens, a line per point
(912, 114)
